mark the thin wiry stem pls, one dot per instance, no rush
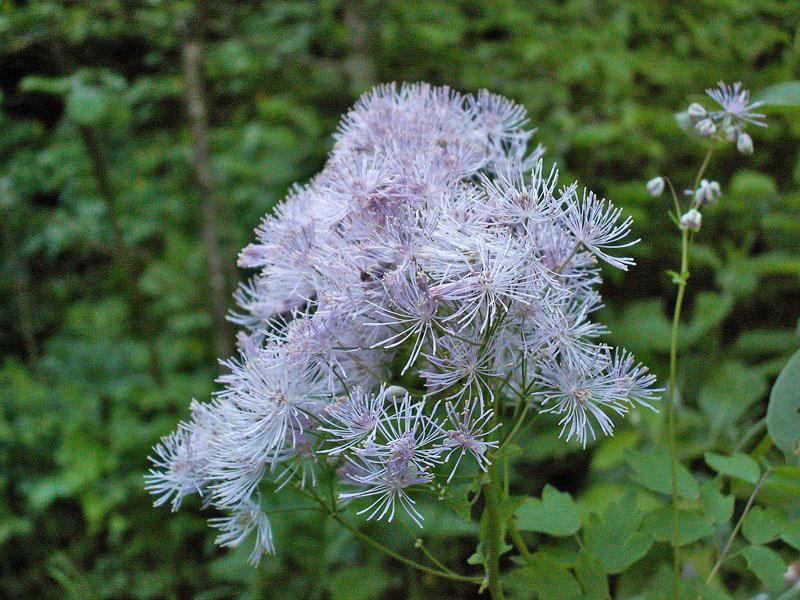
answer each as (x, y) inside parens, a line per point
(519, 542)
(673, 370)
(738, 526)
(683, 278)
(336, 516)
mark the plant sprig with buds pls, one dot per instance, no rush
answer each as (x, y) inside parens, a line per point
(724, 124)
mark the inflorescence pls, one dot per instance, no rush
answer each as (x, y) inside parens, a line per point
(431, 279)
(725, 123)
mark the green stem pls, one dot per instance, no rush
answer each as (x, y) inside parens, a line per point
(399, 557)
(673, 375)
(388, 551)
(519, 542)
(494, 535)
(703, 166)
(738, 526)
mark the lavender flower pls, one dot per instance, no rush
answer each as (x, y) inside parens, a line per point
(435, 247)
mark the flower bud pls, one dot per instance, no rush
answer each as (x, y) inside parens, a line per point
(697, 110)
(683, 120)
(692, 220)
(395, 391)
(730, 133)
(706, 127)
(655, 187)
(744, 143)
(708, 193)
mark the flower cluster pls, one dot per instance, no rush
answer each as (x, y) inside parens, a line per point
(728, 122)
(724, 124)
(432, 280)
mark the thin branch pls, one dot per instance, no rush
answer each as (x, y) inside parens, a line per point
(738, 526)
(388, 551)
(519, 542)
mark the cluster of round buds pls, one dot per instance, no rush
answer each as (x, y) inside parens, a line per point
(432, 279)
(727, 122)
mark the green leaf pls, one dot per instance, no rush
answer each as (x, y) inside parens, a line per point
(610, 452)
(691, 526)
(791, 534)
(738, 465)
(547, 577)
(762, 525)
(442, 521)
(358, 583)
(729, 392)
(591, 576)
(615, 536)
(654, 471)
(767, 565)
(88, 105)
(555, 514)
(717, 506)
(785, 93)
(783, 412)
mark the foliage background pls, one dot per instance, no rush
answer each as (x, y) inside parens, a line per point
(95, 277)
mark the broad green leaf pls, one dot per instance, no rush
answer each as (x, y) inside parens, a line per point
(653, 470)
(785, 93)
(717, 506)
(783, 413)
(767, 565)
(358, 583)
(785, 480)
(737, 465)
(615, 536)
(88, 105)
(555, 514)
(691, 526)
(591, 576)
(442, 521)
(610, 452)
(763, 524)
(730, 391)
(547, 577)
(791, 534)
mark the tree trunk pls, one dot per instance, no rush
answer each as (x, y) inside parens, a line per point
(196, 106)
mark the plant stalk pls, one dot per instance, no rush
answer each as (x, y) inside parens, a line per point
(738, 526)
(673, 375)
(494, 529)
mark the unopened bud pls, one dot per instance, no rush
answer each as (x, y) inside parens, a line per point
(683, 120)
(697, 110)
(692, 220)
(708, 193)
(655, 187)
(744, 143)
(706, 127)
(395, 391)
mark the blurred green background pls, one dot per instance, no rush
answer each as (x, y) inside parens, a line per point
(107, 319)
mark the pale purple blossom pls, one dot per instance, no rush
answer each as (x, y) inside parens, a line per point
(433, 247)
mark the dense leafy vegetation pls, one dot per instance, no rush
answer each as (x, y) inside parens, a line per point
(107, 319)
